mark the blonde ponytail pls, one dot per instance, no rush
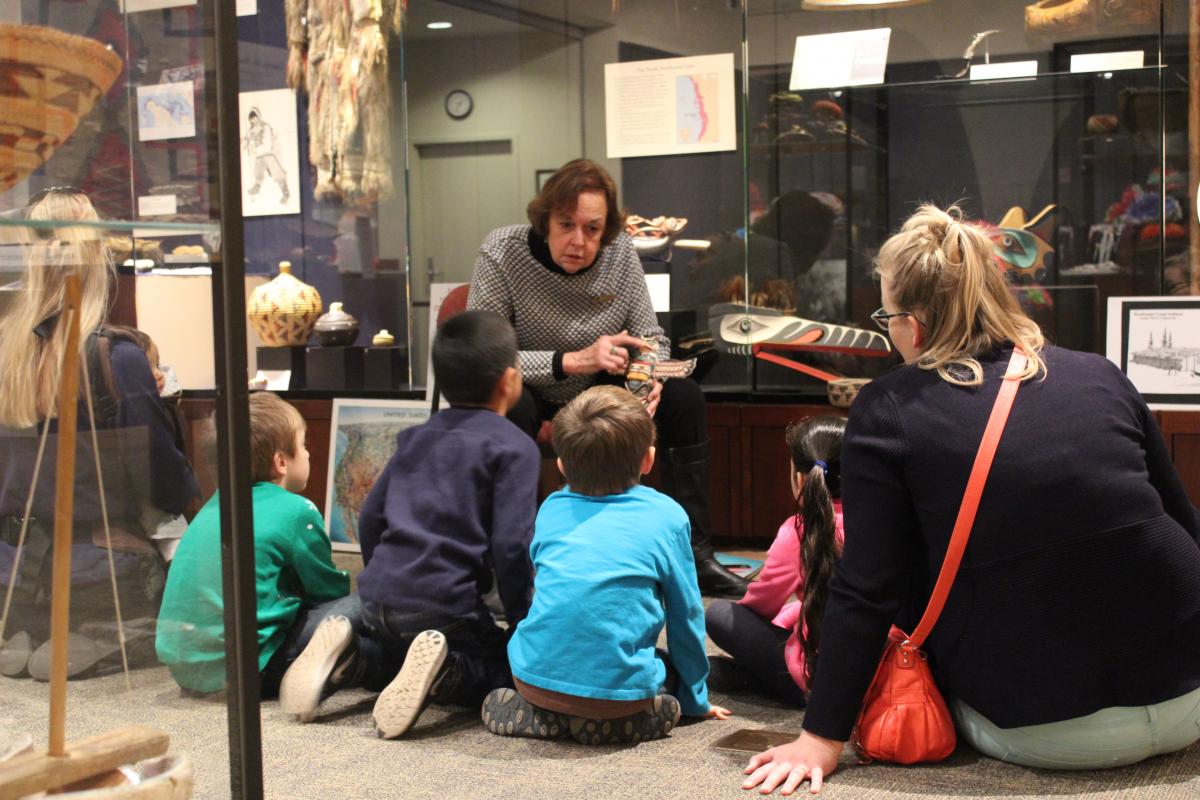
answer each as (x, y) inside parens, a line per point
(940, 266)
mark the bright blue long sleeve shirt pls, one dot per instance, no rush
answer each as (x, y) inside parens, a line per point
(610, 572)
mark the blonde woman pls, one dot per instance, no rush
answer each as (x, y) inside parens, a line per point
(141, 463)
(1069, 639)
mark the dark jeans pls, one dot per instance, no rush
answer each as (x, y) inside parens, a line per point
(756, 645)
(680, 416)
(301, 632)
(477, 661)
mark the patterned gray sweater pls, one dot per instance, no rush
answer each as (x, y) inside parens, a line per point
(554, 312)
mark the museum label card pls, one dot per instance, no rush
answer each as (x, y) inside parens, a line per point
(150, 5)
(659, 285)
(1108, 62)
(153, 205)
(247, 8)
(850, 58)
(1004, 69)
(166, 111)
(670, 106)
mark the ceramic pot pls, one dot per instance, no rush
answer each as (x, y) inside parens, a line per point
(336, 328)
(843, 390)
(284, 310)
(383, 339)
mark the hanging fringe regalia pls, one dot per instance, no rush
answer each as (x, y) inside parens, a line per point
(337, 53)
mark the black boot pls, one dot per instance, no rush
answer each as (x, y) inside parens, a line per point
(685, 478)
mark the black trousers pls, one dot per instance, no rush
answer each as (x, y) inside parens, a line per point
(756, 644)
(680, 418)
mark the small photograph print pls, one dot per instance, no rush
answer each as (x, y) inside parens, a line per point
(1160, 347)
(362, 439)
(270, 153)
(166, 111)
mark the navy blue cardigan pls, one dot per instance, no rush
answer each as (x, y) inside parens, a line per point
(1080, 586)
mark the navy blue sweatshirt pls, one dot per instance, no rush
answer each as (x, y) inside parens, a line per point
(456, 500)
(138, 453)
(1080, 585)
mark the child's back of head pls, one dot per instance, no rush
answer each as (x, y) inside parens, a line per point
(275, 427)
(471, 353)
(602, 438)
(816, 449)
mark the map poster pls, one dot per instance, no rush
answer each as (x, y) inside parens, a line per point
(362, 438)
(670, 106)
(1156, 343)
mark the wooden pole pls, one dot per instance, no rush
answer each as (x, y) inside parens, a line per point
(64, 509)
(1194, 141)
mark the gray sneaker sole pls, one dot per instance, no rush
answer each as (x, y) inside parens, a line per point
(402, 701)
(14, 655)
(644, 726)
(301, 687)
(506, 713)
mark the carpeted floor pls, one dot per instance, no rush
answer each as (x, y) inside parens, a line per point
(450, 754)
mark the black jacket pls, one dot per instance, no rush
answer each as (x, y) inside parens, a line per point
(1080, 586)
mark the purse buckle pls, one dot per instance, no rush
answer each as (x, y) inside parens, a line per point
(907, 654)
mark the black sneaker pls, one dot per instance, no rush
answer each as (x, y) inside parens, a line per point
(640, 727)
(309, 679)
(506, 713)
(405, 697)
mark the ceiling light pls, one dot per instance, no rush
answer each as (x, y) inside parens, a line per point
(439, 26)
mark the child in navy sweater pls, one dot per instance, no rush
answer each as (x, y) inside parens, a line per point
(454, 505)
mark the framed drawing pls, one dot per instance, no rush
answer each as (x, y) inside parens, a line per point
(1156, 343)
(540, 177)
(362, 437)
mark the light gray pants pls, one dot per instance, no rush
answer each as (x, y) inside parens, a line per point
(1110, 737)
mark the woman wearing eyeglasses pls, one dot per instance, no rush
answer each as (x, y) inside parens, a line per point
(1071, 635)
(140, 463)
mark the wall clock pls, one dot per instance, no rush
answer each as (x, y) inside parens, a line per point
(459, 104)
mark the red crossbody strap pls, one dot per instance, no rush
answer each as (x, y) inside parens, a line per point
(970, 501)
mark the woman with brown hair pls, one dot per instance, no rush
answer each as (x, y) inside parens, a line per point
(573, 287)
(1070, 634)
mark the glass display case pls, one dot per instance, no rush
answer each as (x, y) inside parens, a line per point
(211, 145)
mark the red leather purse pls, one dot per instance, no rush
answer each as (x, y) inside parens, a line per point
(904, 719)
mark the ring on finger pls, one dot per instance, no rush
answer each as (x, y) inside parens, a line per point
(614, 350)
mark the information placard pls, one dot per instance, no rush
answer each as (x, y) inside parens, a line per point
(670, 106)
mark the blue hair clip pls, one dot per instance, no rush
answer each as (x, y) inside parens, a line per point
(824, 467)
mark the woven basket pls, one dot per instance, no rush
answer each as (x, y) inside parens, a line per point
(49, 80)
(284, 310)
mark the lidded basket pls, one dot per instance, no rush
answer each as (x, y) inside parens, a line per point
(284, 310)
(51, 81)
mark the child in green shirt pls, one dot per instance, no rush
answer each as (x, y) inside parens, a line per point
(297, 585)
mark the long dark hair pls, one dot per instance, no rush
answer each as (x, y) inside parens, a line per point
(816, 446)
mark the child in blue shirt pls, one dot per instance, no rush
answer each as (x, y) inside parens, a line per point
(613, 563)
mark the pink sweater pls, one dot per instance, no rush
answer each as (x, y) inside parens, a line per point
(780, 579)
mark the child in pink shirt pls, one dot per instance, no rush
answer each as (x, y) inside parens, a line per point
(771, 636)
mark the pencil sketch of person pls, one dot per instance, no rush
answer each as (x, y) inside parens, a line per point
(261, 141)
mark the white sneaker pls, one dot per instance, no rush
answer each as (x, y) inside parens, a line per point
(302, 687)
(404, 699)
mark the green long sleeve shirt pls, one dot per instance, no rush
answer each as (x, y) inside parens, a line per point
(293, 567)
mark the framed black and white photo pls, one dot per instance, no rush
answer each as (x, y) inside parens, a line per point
(1156, 343)
(541, 176)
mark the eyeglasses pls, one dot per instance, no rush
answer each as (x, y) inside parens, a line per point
(881, 317)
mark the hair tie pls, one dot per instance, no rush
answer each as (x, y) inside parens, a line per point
(824, 467)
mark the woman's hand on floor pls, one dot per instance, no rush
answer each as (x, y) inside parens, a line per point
(607, 354)
(786, 767)
(718, 712)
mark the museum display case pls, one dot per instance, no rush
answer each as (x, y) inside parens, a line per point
(263, 227)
